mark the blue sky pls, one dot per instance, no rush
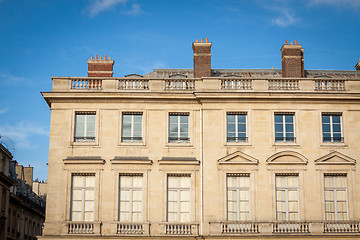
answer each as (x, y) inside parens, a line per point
(44, 38)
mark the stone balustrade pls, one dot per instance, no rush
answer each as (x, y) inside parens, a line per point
(211, 84)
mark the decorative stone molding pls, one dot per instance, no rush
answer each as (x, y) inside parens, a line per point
(335, 158)
(287, 158)
(238, 158)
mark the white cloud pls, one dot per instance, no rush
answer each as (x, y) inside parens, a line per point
(9, 79)
(22, 132)
(135, 10)
(286, 18)
(349, 3)
(98, 6)
(3, 110)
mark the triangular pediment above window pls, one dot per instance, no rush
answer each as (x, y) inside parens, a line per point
(335, 158)
(287, 157)
(238, 158)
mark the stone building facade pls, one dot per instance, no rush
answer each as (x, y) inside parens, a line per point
(205, 153)
(22, 212)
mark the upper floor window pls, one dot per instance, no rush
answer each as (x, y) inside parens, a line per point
(287, 197)
(331, 127)
(238, 197)
(83, 197)
(236, 127)
(284, 127)
(178, 127)
(85, 126)
(130, 198)
(335, 197)
(131, 127)
(178, 198)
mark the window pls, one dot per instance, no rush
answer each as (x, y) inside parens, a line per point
(130, 198)
(131, 127)
(85, 126)
(287, 197)
(178, 127)
(335, 197)
(238, 197)
(284, 127)
(236, 127)
(83, 196)
(331, 127)
(178, 199)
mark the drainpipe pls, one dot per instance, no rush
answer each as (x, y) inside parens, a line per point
(201, 172)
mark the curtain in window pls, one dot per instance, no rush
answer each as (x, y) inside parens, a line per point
(238, 197)
(179, 198)
(130, 199)
(83, 198)
(335, 198)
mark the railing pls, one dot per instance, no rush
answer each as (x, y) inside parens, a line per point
(290, 227)
(89, 84)
(81, 228)
(131, 139)
(130, 228)
(283, 84)
(236, 139)
(341, 227)
(236, 84)
(178, 229)
(238, 228)
(133, 84)
(180, 84)
(330, 85)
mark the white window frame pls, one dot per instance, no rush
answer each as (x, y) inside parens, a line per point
(236, 114)
(179, 138)
(238, 200)
(132, 138)
(84, 138)
(287, 189)
(178, 201)
(284, 132)
(82, 188)
(131, 189)
(332, 127)
(335, 189)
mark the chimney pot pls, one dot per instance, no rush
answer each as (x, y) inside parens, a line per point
(96, 56)
(291, 43)
(207, 39)
(202, 40)
(286, 42)
(105, 57)
(197, 40)
(295, 42)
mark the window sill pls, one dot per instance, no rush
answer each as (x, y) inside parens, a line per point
(84, 144)
(237, 144)
(179, 144)
(333, 144)
(132, 144)
(286, 144)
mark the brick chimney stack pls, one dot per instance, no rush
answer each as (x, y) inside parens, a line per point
(202, 58)
(292, 59)
(100, 67)
(357, 66)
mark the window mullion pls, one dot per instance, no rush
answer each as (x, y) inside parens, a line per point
(85, 126)
(284, 128)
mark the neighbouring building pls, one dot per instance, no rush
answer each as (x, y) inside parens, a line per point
(205, 153)
(22, 212)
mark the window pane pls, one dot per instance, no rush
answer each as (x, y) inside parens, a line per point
(289, 118)
(326, 119)
(278, 118)
(184, 119)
